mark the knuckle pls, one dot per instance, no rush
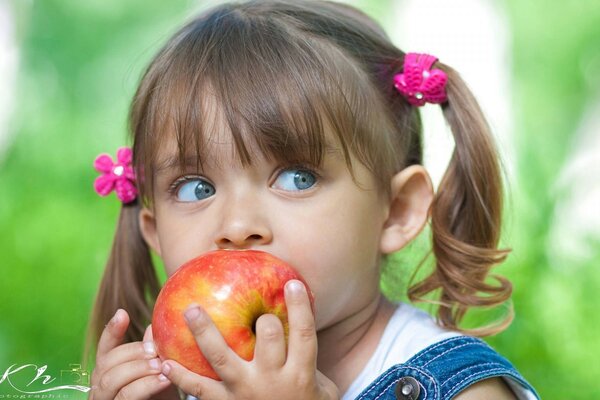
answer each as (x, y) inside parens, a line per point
(272, 333)
(124, 394)
(198, 390)
(104, 383)
(269, 327)
(218, 360)
(306, 332)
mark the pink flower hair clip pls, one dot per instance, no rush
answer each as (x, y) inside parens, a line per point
(118, 176)
(419, 83)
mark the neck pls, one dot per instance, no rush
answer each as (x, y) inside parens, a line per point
(346, 347)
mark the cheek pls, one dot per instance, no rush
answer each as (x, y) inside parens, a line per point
(179, 244)
(337, 245)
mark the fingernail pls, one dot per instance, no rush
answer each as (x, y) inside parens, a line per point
(162, 378)
(116, 318)
(294, 286)
(154, 364)
(192, 313)
(149, 348)
(166, 369)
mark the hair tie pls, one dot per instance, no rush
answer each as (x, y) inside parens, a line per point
(118, 176)
(420, 84)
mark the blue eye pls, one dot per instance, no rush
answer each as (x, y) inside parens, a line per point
(295, 179)
(194, 190)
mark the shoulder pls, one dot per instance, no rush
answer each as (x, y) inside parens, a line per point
(461, 368)
(469, 368)
(493, 388)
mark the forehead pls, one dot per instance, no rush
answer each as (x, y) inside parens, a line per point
(217, 144)
(191, 130)
(187, 142)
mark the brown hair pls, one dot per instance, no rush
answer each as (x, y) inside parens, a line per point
(280, 72)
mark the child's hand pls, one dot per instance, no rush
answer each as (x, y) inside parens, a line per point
(130, 370)
(271, 374)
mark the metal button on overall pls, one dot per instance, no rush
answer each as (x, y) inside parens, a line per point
(407, 388)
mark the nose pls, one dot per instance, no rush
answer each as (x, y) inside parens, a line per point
(243, 227)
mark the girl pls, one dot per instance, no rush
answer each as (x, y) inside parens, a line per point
(293, 128)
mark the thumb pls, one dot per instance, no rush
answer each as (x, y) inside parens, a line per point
(114, 332)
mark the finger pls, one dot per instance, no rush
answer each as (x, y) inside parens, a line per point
(113, 333)
(170, 392)
(302, 349)
(124, 353)
(214, 348)
(269, 352)
(148, 333)
(198, 386)
(146, 387)
(148, 339)
(116, 378)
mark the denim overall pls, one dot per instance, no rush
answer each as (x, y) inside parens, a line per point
(441, 371)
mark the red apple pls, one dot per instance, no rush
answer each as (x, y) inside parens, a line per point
(234, 287)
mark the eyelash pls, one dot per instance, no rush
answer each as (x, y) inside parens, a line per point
(302, 167)
(172, 190)
(179, 181)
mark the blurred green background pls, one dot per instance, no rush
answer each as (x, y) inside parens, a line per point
(78, 64)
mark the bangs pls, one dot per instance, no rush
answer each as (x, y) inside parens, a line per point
(276, 91)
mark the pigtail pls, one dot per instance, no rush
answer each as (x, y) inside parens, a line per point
(466, 216)
(129, 282)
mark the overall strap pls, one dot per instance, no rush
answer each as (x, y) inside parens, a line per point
(441, 371)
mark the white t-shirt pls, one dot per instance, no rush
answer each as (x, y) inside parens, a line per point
(408, 331)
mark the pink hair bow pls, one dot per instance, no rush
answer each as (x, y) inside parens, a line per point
(419, 83)
(118, 176)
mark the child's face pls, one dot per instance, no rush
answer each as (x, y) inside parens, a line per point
(326, 226)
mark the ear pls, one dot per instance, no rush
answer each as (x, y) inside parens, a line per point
(147, 222)
(411, 196)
